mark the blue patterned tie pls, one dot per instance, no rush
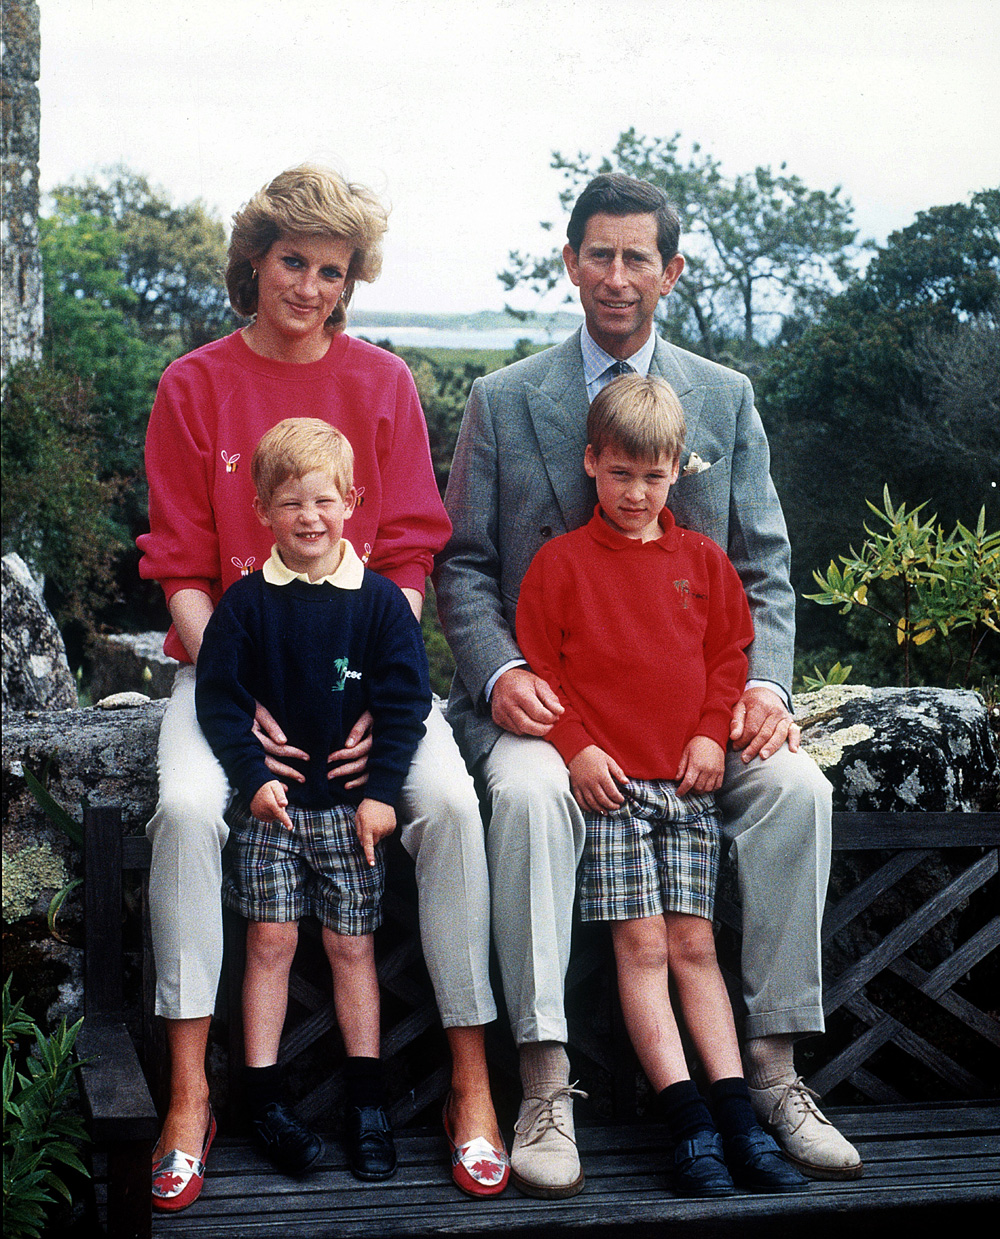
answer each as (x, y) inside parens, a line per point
(619, 368)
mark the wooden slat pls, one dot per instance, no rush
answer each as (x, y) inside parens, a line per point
(862, 896)
(867, 831)
(903, 936)
(103, 997)
(978, 1021)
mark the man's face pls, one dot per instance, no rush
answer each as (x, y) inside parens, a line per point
(621, 278)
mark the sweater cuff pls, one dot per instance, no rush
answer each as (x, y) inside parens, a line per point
(174, 585)
(715, 724)
(408, 576)
(569, 738)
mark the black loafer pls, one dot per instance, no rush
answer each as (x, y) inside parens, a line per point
(371, 1150)
(699, 1168)
(755, 1161)
(290, 1145)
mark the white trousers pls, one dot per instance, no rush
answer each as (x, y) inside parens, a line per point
(777, 813)
(441, 829)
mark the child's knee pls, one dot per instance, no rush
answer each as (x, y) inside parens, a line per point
(271, 944)
(641, 943)
(348, 950)
(690, 941)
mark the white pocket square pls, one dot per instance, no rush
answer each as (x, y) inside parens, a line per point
(695, 464)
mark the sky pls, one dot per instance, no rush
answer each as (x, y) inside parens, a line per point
(451, 109)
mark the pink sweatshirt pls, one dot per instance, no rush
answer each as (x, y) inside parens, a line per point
(213, 405)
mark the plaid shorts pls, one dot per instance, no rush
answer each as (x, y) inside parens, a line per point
(319, 868)
(657, 853)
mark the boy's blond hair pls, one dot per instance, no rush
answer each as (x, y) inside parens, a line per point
(297, 446)
(639, 415)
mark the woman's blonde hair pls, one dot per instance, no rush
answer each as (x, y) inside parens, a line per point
(639, 415)
(297, 446)
(313, 201)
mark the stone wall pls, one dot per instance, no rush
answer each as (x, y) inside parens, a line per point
(21, 266)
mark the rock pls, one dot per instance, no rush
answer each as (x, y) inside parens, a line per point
(130, 662)
(105, 756)
(36, 675)
(902, 749)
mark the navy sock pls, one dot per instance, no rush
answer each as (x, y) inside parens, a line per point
(263, 1087)
(684, 1110)
(732, 1107)
(363, 1082)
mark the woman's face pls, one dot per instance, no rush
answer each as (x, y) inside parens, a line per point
(299, 282)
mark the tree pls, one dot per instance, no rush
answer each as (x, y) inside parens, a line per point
(896, 383)
(171, 257)
(757, 246)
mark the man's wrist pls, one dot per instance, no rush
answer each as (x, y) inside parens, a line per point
(490, 683)
(774, 688)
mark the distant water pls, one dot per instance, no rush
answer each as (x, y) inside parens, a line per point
(446, 337)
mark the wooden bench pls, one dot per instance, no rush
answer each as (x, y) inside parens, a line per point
(886, 1008)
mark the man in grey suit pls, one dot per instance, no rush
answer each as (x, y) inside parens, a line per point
(517, 480)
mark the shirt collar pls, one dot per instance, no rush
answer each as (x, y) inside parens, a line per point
(602, 532)
(596, 360)
(347, 575)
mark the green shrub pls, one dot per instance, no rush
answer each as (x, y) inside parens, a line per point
(39, 1124)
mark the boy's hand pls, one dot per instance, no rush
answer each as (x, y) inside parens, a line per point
(269, 804)
(702, 766)
(353, 757)
(594, 777)
(275, 743)
(373, 821)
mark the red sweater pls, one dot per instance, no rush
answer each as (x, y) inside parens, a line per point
(643, 641)
(213, 405)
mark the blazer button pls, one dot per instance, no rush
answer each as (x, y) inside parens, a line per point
(546, 531)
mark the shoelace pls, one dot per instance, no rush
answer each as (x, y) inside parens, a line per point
(542, 1112)
(798, 1093)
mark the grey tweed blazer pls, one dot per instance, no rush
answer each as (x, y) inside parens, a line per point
(517, 480)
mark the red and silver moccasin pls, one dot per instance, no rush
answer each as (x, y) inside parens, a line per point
(179, 1177)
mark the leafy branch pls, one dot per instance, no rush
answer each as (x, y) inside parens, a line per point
(922, 581)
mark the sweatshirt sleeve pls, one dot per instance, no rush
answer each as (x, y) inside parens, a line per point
(539, 635)
(181, 549)
(224, 703)
(413, 525)
(728, 633)
(400, 697)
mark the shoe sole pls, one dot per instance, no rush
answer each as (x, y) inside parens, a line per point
(368, 1177)
(540, 1192)
(833, 1174)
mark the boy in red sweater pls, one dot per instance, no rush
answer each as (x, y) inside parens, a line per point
(639, 627)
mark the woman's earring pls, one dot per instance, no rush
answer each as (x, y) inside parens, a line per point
(254, 276)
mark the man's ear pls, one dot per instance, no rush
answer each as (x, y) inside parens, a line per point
(572, 260)
(671, 274)
(261, 512)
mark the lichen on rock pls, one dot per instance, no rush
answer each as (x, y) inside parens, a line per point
(28, 874)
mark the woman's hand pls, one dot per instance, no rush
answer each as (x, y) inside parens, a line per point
(275, 743)
(353, 757)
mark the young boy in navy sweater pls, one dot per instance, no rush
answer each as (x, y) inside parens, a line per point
(639, 626)
(316, 639)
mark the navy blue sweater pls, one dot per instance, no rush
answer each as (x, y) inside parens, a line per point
(317, 657)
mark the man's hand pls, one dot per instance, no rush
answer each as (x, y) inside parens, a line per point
(275, 744)
(702, 766)
(269, 804)
(373, 821)
(594, 777)
(522, 703)
(353, 757)
(762, 724)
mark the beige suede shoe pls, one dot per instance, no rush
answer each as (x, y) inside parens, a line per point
(544, 1161)
(807, 1137)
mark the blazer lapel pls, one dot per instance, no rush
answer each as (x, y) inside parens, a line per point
(558, 410)
(666, 364)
